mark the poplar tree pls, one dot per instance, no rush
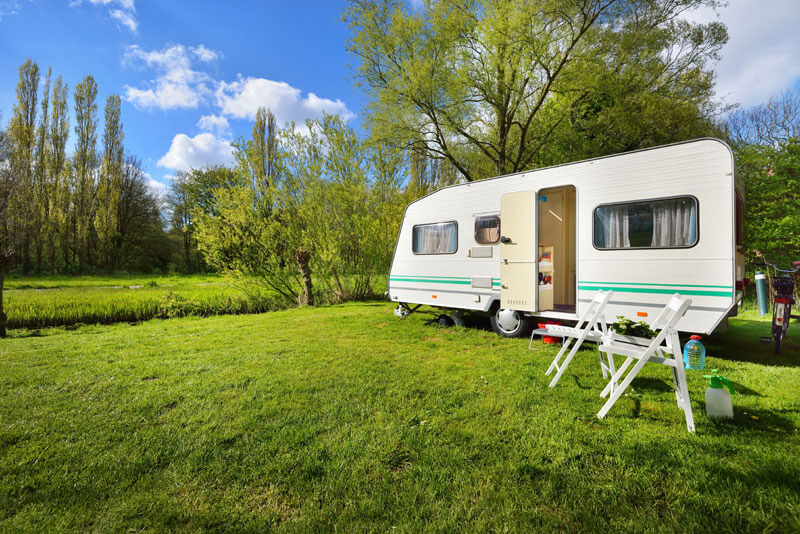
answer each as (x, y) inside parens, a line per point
(85, 166)
(108, 190)
(22, 139)
(264, 146)
(40, 200)
(58, 190)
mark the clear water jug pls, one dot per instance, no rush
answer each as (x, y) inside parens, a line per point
(694, 354)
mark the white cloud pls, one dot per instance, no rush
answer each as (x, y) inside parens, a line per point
(158, 188)
(177, 84)
(760, 58)
(10, 7)
(205, 54)
(195, 152)
(125, 17)
(242, 98)
(216, 124)
(123, 11)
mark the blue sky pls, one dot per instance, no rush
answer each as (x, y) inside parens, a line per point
(193, 73)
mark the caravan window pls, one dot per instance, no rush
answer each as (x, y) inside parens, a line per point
(439, 238)
(487, 230)
(662, 223)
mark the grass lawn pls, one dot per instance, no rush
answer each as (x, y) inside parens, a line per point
(347, 418)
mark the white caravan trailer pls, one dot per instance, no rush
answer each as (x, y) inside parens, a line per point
(539, 244)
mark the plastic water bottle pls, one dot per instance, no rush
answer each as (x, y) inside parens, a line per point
(718, 401)
(694, 354)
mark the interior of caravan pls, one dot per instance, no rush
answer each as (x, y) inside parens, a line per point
(557, 249)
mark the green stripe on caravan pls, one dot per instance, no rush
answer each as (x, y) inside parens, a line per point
(650, 284)
(438, 280)
(654, 290)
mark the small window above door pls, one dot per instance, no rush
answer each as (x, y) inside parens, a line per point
(487, 229)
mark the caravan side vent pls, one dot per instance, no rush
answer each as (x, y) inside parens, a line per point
(481, 252)
(482, 282)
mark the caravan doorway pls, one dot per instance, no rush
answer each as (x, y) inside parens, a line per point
(557, 249)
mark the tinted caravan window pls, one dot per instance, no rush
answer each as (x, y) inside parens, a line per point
(487, 230)
(660, 223)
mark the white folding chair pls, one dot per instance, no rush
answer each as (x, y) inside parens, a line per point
(591, 326)
(665, 349)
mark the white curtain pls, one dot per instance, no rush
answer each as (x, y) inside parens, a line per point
(435, 238)
(617, 227)
(674, 223)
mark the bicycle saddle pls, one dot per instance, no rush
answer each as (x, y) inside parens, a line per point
(796, 263)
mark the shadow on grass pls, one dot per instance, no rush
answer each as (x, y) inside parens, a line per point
(746, 421)
(742, 343)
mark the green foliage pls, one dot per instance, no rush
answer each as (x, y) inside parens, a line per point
(242, 424)
(85, 213)
(329, 193)
(628, 327)
(495, 87)
(771, 175)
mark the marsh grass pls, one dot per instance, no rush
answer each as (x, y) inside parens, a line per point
(39, 302)
(347, 418)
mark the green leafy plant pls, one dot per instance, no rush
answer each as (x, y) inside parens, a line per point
(628, 327)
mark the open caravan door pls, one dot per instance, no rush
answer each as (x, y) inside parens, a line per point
(518, 252)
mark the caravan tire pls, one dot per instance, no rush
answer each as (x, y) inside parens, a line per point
(510, 323)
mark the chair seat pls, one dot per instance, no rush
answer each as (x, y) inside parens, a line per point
(556, 330)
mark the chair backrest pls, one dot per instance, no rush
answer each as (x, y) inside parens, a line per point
(672, 312)
(595, 308)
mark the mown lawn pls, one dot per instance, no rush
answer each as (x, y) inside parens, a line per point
(347, 418)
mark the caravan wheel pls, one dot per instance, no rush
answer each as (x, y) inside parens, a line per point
(510, 323)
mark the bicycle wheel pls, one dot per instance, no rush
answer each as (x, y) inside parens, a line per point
(777, 325)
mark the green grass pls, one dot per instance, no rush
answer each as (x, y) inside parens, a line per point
(43, 302)
(347, 418)
(39, 302)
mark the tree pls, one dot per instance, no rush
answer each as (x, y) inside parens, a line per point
(57, 187)
(488, 85)
(141, 243)
(191, 193)
(85, 165)
(110, 178)
(8, 187)
(40, 203)
(22, 145)
(770, 124)
(772, 210)
(766, 142)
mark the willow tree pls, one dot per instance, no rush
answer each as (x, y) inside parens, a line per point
(488, 85)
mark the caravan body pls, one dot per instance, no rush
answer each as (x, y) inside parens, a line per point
(646, 224)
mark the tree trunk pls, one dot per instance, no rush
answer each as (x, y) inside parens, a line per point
(6, 257)
(306, 296)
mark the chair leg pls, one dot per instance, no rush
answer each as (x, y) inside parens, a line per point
(563, 366)
(564, 346)
(617, 393)
(613, 383)
(603, 365)
(686, 402)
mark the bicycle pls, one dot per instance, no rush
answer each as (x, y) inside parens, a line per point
(782, 301)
